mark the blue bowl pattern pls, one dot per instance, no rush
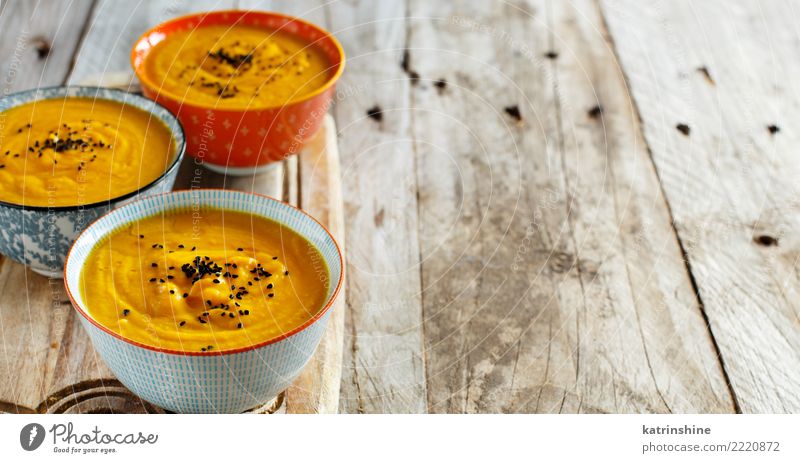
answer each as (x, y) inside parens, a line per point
(215, 381)
(40, 236)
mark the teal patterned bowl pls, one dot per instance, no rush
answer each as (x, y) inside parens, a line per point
(40, 236)
(219, 381)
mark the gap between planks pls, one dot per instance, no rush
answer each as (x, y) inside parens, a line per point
(684, 255)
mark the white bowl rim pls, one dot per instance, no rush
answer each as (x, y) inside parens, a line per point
(328, 303)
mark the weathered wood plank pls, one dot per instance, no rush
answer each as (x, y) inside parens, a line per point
(629, 227)
(383, 365)
(724, 71)
(552, 278)
(318, 387)
(38, 40)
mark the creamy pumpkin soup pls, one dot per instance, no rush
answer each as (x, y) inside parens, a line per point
(206, 280)
(237, 66)
(73, 151)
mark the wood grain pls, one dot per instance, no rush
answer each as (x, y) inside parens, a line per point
(38, 40)
(317, 389)
(722, 72)
(552, 279)
(384, 364)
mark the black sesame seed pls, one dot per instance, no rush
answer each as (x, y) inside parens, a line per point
(239, 325)
(172, 291)
(183, 322)
(154, 264)
(246, 312)
(185, 295)
(152, 280)
(216, 281)
(125, 312)
(271, 295)
(240, 249)
(269, 286)
(231, 314)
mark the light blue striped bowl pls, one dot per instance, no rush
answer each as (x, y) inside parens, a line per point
(40, 236)
(222, 381)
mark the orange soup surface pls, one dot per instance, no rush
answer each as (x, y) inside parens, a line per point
(77, 151)
(205, 281)
(237, 66)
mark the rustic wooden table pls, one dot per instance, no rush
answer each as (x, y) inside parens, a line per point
(548, 206)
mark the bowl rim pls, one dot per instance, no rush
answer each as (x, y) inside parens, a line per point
(328, 304)
(143, 79)
(180, 138)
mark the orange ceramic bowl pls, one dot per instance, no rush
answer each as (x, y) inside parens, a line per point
(242, 141)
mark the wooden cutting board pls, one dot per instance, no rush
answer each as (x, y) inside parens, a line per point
(48, 365)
